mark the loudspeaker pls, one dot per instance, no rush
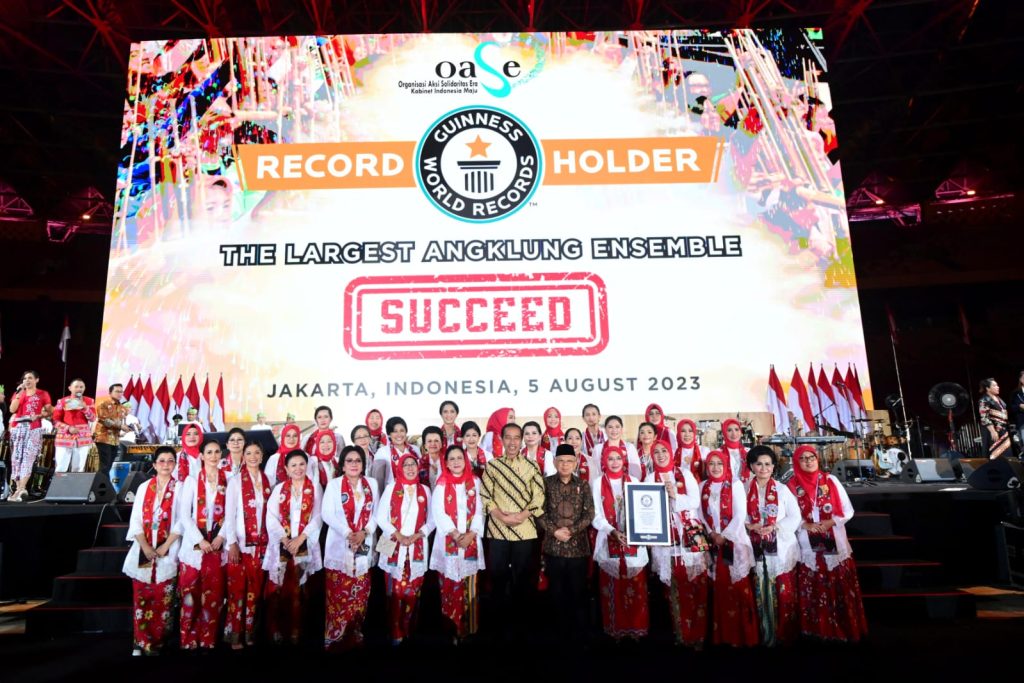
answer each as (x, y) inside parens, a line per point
(131, 484)
(998, 475)
(847, 470)
(80, 487)
(921, 470)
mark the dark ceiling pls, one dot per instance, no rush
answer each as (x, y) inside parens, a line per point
(919, 85)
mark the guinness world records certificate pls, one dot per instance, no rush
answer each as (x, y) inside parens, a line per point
(648, 516)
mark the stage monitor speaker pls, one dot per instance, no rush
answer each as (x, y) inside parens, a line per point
(131, 485)
(848, 470)
(922, 470)
(80, 487)
(998, 475)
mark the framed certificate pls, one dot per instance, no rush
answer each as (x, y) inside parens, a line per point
(648, 517)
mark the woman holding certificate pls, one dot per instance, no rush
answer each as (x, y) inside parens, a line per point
(293, 549)
(623, 577)
(683, 566)
(723, 509)
(830, 603)
(349, 503)
(772, 520)
(152, 561)
(203, 552)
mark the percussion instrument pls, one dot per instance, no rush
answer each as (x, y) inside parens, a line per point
(892, 440)
(891, 460)
(780, 440)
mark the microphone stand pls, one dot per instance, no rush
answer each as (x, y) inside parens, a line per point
(899, 386)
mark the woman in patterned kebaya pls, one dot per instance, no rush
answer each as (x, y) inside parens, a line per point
(28, 408)
(682, 566)
(772, 520)
(830, 602)
(152, 561)
(348, 511)
(404, 519)
(458, 553)
(248, 497)
(723, 510)
(623, 567)
(203, 554)
(293, 549)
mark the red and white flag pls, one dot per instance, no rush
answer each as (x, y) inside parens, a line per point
(800, 401)
(145, 406)
(856, 393)
(131, 394)
(829, 405)
(775, 400)
(158, 411)
(814, 396)
(177, 397)
(65, 338)
(204, 405)
(218, 411)
(191, 397)
(842, 399)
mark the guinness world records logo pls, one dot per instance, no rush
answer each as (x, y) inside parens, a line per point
(478, 164)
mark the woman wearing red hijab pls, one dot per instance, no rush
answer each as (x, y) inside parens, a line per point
(623, 567)
(553, 434)
(492, 439)
(458, 552)
(830, 602)
(189, 459)
(723, 506)
(646, 435)
(736, 452)
(404, 518)
(688, 453)
(656, 416)
(291, 435)
(375, 423)
(683, 566)
(325, 453)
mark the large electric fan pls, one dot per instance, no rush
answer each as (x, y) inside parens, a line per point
(949, 399)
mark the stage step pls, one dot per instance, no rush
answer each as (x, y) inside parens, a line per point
(81, 588)
(113, 535)
(917, 603)
(886, 547)
(55, 618)
(870, 524)
(886, 575)
(101, 560)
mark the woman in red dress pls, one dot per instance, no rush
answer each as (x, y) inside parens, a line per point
(28, 408)
(623, 577)
(831, 607)
(723, 510)
(203, 554)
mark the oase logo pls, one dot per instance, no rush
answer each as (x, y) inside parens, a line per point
(478, 164)
(503, 72)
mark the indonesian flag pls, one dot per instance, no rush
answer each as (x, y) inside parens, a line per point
(218, 410)
(856, 393)
(131, 394)
(158, 411)
(814, 396)
(842, 399)
(829, 406)
(776, 403)
(204, 405)
(145, 406)
(191, 397)
(800, 402)
(178, 396)
(65, 337)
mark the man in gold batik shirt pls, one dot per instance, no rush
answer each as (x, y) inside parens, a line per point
(110, 415)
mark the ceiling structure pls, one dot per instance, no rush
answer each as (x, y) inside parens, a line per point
(918, 84)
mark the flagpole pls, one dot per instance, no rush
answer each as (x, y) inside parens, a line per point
(899, 386)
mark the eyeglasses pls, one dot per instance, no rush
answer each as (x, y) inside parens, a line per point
(362, 436)
(808, 458)
(353, 461)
